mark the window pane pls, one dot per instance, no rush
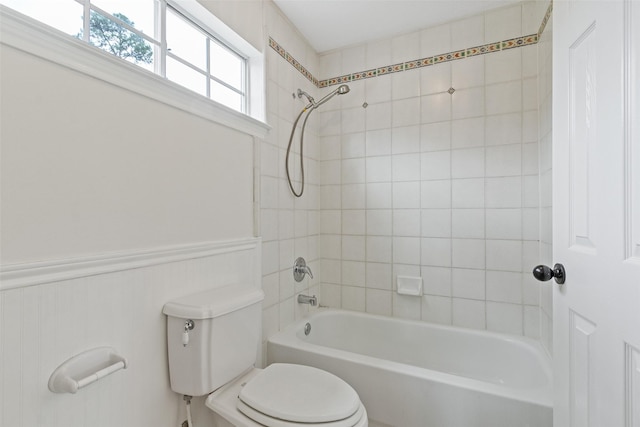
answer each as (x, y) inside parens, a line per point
(115, 39)
(185, 41)
(226, 65)
(65, 15)
(185, 76)
(140, 14)
(226, 96)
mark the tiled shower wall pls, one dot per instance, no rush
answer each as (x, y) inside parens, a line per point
(288, 225)
(422, 182)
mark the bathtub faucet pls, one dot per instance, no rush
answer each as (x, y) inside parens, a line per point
(306, 299)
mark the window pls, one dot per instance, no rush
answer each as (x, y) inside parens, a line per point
(161, 36)
(196, 59)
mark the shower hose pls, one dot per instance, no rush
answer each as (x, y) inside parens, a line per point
(293, 131)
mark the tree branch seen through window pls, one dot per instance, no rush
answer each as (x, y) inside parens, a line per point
(112, 37)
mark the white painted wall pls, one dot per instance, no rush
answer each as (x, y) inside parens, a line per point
(244, 17)
(90, 168)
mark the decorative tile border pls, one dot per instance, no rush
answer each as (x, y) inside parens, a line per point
(519, 42)
(291, 60)
(433, 60)
(416, 63)
(546, 18)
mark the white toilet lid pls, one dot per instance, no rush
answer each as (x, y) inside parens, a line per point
(300, 394)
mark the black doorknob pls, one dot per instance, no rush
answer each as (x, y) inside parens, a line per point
(544, 273)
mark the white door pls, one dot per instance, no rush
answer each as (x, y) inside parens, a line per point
(596, 212)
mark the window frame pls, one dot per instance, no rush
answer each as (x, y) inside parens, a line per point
(210, 38)
(34, 37)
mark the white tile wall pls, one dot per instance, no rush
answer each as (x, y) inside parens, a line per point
(435, 79)
(405, 87)
(504, 23)
(292, 227)
(424, 178)
(435, 165)
(436, 281)
(435, 40)
(468, 223)
(353, 146)
(467, 32)
(468, 283)
(469, 313)
(406, 222)
(468, 73)
(378, 302)
(406, 307)
(466, 133)
(436, 309)
(405, 140)
(468, 163)
(435, 136)
(437, 184)
(436, 223)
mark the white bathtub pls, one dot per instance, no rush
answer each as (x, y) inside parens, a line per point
(416, 374)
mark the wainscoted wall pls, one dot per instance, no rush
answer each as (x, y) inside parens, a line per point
(433, 172)
(117, 302)
(112, 204)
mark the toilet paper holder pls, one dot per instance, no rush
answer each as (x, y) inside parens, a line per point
(85, 368)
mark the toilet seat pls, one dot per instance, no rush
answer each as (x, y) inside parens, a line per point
(268, 421)
(225, 403)
(284, 395)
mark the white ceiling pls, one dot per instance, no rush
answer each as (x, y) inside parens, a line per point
(333, 24)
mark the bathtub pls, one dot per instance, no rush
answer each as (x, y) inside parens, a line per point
(416, 374)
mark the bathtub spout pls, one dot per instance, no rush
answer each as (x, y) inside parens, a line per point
(306, 299)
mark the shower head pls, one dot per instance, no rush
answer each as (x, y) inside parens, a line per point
(341, 90)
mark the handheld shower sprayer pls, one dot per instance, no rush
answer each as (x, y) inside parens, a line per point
(312, 105)
(341, 90)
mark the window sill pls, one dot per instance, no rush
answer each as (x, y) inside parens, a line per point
(30, 36)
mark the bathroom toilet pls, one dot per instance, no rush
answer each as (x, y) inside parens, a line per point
(213, 339)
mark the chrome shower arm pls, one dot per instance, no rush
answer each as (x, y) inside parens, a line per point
(312, 102)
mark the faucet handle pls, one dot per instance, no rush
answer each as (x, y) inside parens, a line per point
(300, 268)
(308, 271)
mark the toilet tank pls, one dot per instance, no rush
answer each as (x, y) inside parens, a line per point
(223, 342)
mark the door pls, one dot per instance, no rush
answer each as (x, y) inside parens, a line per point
(596, 212)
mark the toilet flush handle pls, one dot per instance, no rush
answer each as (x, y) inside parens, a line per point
(188, 325)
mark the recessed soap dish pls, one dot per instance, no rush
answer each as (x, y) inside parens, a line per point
(409, 285)
(85, 368)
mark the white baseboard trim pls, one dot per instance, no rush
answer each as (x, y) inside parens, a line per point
(37, 273)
